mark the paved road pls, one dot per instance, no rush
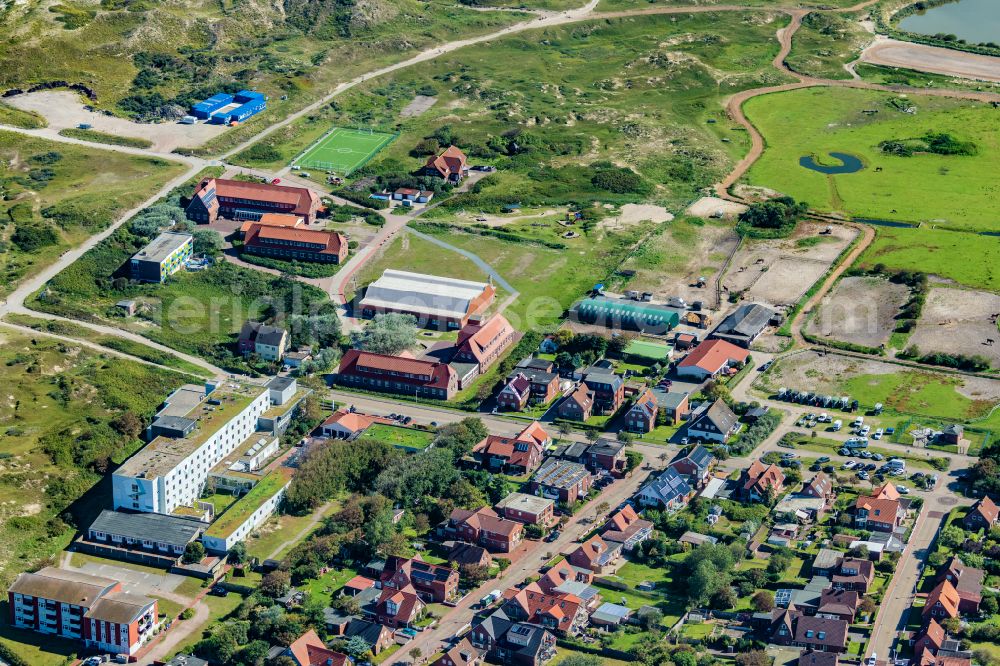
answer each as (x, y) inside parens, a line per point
(430, 642)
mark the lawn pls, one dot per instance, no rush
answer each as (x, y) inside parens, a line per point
(328, 585)
(966, 258)
(276, 531)
(404, 438)
(632, 574)
(36, 649)
(573, 96)
(947, 190)
(57, 194)
(61, 401)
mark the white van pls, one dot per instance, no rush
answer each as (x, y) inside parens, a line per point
(837, 425)
(897, 464)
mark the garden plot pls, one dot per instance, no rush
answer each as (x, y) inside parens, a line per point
(779, 272)
(860, 310)
(959, 321)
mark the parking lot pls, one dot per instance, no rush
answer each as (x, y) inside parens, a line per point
(134, 580)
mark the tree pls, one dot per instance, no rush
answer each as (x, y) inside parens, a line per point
(238, 553)
(763, 601)
(207, 242)
(775, 217)
(356, 647)
(415, 653)
(275, 584)
(753, 658)
(390, 333)
(624, 436)
(990, 606)
(475, 574)
(602, 508)
(592, 435)
(194, 552)
(128, 424)
(632, 460)
(867, 605)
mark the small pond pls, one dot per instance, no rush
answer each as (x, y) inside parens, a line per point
(848, 164)
(975, 21)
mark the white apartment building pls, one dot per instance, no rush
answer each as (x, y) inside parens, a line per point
(195, 430)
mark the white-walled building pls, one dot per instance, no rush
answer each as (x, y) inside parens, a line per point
(189, 438)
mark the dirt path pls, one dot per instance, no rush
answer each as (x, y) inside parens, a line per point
(309, 527)
(179, 632)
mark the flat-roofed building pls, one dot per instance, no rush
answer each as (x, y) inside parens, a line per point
(165, 255)
(436, 302)
(562, 480)
(79, 606)
(528, 509)
(170, 471)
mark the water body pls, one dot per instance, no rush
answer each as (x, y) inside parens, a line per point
(848, 164)
(975, 21)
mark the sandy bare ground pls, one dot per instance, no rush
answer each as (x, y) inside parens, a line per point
(810, 371)
(419, 104)
(682, 261)
(859, 310)
(708, 206)
(779, 272)
(936, 60)
(632, 214)
(958, 321)
(63, 109)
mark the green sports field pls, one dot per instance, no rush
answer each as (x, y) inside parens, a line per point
(344, 150)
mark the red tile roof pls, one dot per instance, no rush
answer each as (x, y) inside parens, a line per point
(879, 510)
(535, 605)
(429, 373)
(712, 355)
(303, 200)
(451, 161)
(945, 593)
(886, 491)
(309, 650)
(761, 476)
(482, 340)
(988, 509)
(487, 520)
(273, 220)
(329, 242)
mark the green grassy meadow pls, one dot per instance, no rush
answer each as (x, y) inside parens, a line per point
(946, 191)
(545, 105)
(55, 195)
(967, 258)
(825, 43)
(56, 442)
(409, 438)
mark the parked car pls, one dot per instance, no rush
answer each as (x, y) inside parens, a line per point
(552, 536)
(219, 591)
(823, 459)
(848, 465)
(878, 456)
(787, 456)
(863, 475)
(877, 434)
(829, 469)
(903, 490)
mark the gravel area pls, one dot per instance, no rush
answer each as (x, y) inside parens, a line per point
(959, 321)
(859, 310)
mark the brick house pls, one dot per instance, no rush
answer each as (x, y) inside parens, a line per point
(853, 573)
(983, 515)
(696, 465)
(596, 554)
(485, 528)
(451, 165)
(641, 417)
(759, 479)
(239, 200)
(396, 374)
(627, 528)
(521, 454)
(608, 389)
(433, 582)
(527, 509)
(968, 582)
(515, 394)
(483, 344)
(578, 405)
(942, 602)
(875, 513)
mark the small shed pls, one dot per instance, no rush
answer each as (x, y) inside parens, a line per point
(128, 307)
(610, 615)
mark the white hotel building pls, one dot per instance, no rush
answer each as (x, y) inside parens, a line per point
(195, 430)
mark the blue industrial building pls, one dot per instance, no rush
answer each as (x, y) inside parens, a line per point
(250, 103)
(205, 109)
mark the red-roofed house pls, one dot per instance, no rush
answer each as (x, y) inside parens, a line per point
(514, 396)
(562, 613)
(756, 481)
(239, 200)
(711, 358)
(484, 343)
(578, 405)
(357, 585)
(272, 220)
(395, 374)
(290, 244)
(942, 602)
(596, 554)
(484, 527)
(433, 582)
(343, 424)
(875, 513)
(451, 164)
(627, 528)
(398, 608)
(513, 455)
(309, 650)
(968, 581)
(983, 515)
(642, 415)
(931, 639)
